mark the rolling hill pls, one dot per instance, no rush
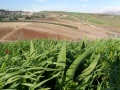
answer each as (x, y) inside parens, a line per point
(61, 25)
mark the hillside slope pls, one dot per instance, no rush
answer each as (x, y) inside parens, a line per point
(61, 25)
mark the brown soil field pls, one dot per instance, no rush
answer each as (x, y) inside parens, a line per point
(28, 34)
(5, 31)
(12, 24)
(83, 31)
(11, 31)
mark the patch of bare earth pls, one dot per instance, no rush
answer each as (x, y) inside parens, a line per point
(37, 30)
(83, 31)
(12, 24)
(4, 31)
(28, 34)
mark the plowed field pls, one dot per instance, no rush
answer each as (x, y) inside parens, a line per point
(27, 34)
(5, 31)
(34, 30)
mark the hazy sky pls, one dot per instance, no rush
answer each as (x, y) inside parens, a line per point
(61, 5)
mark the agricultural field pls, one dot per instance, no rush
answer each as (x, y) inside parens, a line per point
(61, 25)
(60, 65)
(60, 51)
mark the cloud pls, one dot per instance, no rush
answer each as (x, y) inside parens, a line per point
(30, 10)
(110, 8)
(84, 5)
(114, 10)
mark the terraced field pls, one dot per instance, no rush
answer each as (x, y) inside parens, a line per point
(45, 30)
(55, 26)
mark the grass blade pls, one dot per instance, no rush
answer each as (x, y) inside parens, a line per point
(71, 70)
(39, 84)
(32, 49)
(91, 67)
(62, 56)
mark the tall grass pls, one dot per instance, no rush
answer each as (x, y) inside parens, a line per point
(60, 65)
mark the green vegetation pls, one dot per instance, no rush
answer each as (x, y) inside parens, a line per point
(96, 22)
(65, 25)
(67, 18)
(0, 19)
(60, 65)
(40, 15)
(6, 15)
(98, 19)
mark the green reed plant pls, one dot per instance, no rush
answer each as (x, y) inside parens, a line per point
(83, 65)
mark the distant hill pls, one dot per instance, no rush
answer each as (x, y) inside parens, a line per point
(112, 12)
(60, 24)
(6, 15)
(89, 18)
(104, 19)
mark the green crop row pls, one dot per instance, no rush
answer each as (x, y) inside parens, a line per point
(60, 65)
(65, 25)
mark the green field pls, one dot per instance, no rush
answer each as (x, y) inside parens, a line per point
(60, 65)
(97, 19)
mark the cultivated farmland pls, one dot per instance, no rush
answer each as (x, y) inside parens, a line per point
(60, 51)
(56, 25)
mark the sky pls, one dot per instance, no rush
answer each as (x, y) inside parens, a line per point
(89, 6)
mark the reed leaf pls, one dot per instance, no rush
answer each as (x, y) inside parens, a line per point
(89, 69)
(62, 56)
(72, 69)
(32, 49)
(42, 82)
